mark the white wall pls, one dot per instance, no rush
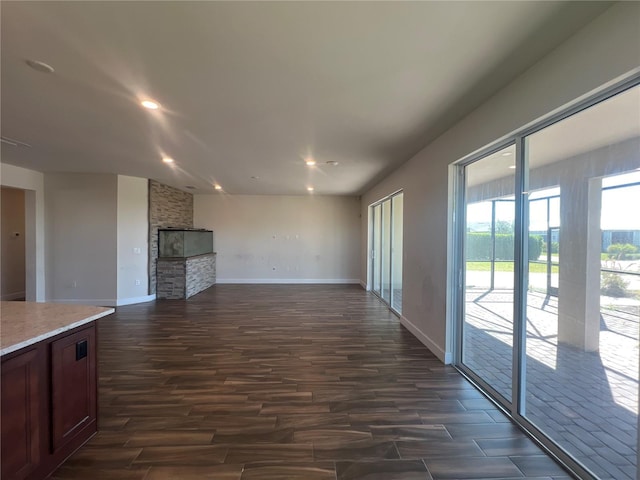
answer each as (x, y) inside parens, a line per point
(12, 223)
(91, 224)
(133, 228)
(81, 223)
(33, 184)
(282, 239)
(604, 51)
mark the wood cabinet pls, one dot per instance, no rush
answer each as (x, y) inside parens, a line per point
(22, 401)
(73, 385)
(48, 403)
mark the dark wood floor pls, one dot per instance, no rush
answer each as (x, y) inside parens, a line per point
(288, 382)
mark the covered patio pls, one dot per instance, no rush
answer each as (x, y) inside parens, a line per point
(587, 401)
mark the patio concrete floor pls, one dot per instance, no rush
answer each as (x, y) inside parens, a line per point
(585, 401)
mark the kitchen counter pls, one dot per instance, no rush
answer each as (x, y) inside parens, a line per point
(49, 391)
(25, 323)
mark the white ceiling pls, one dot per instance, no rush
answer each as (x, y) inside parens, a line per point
(249, 89)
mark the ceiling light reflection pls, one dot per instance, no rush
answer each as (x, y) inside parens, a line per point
(150, 104)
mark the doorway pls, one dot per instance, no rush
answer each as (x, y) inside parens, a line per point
(12, 234)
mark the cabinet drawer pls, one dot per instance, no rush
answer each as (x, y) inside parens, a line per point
(73, 385)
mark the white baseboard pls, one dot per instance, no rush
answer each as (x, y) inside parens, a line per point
(97, 302)
(132, 300)
(282, 281)
(364, 285)
(12, 296)
(106, 302)
(445, 357)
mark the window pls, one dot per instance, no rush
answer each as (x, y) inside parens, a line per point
(549, 252)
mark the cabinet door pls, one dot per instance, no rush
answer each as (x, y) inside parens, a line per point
(73, 385)
(21, 402)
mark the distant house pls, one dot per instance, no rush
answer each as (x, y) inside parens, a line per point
(610, 237)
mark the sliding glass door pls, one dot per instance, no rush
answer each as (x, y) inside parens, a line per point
(487, 326)
(549, 306)
(581, 377)
(376, 234)
(386, 252)
(397, 205)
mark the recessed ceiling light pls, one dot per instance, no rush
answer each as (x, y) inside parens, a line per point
(39, 66)
(506, 154)
(310, 162)
(310, 189)
(167, 160)
(333, 163)
(150, 104)
(512, 166)
(217, 187)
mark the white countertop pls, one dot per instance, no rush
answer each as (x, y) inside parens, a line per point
(25, 323)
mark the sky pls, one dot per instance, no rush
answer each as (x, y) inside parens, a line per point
(621, 206)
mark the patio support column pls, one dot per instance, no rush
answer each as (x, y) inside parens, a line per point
(579, 280)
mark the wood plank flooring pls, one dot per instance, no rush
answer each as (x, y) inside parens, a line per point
(313, 382)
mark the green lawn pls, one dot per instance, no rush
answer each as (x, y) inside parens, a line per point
(508, 267)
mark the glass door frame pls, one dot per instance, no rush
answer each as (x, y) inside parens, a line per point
(459, 264)
(375, 256)
(378, 256)
(516, 409)
(551, 290)
(386, 247)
